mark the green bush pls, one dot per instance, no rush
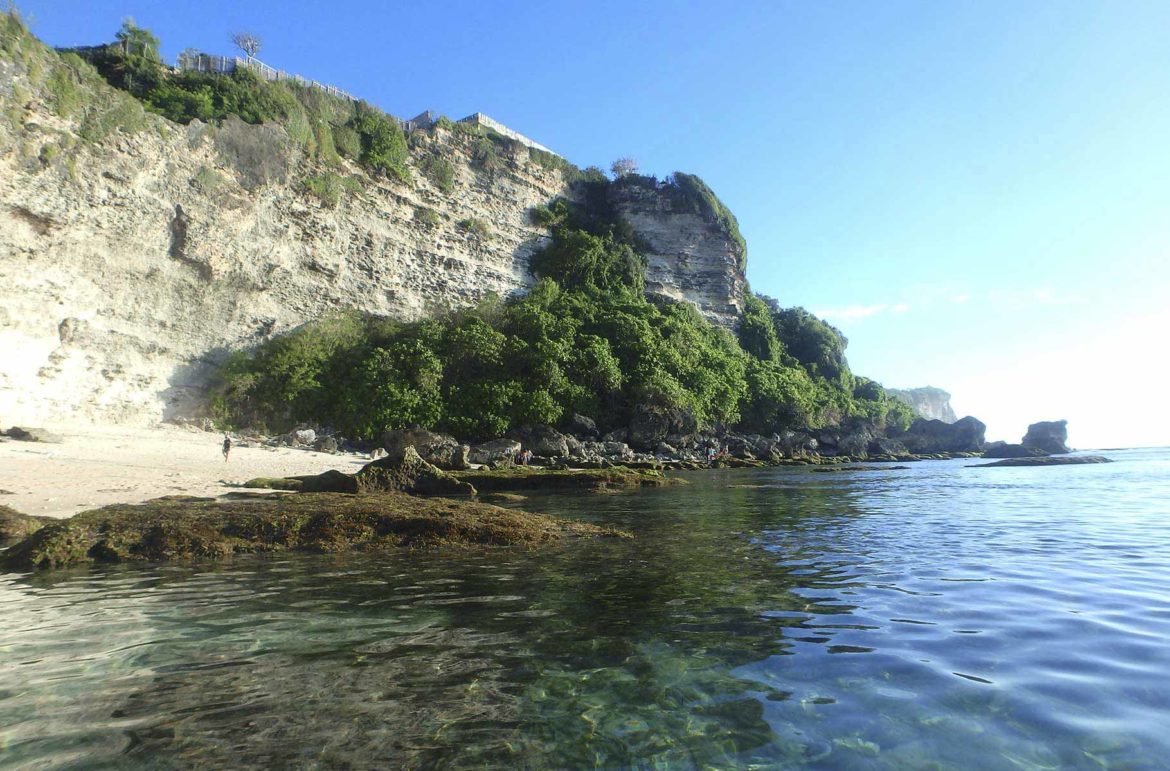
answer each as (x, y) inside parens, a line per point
(383, 143)
(475, 227)
(584, 339)
(427, 216)
(439, 171)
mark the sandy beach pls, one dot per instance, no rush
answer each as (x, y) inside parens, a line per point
(97, 466)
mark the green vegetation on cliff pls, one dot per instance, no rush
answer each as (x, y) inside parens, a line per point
(585, 339)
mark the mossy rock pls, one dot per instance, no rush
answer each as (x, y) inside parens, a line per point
(408, 474)
(15, 526)
(200, 528)
(590, 480)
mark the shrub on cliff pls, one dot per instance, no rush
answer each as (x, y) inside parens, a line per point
(585, 339)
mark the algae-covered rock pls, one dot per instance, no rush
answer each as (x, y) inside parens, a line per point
(591, 480)
(14, 525)
(408, 473)
(193, 528)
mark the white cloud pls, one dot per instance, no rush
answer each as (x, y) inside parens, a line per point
(961, 298)
(901, 308)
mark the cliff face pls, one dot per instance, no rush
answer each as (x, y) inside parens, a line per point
(135, 252)
(690, 256)
(929, 402)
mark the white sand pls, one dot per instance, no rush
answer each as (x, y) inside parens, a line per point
(97, 466)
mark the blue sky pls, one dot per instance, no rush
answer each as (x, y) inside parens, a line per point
(976, 193)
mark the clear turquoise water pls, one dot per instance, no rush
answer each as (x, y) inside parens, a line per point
(937, 617)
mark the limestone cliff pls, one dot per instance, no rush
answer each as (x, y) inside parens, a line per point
(929, 402)
(690, 255)
(135, 252)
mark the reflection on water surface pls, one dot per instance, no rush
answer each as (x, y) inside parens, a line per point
(936, 616)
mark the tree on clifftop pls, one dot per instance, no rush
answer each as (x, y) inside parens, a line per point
(248, 43)
(623, 166)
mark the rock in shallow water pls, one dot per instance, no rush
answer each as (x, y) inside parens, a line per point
(186, 528)
(1047, 460)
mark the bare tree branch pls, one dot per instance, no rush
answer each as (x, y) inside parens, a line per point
(248, 43)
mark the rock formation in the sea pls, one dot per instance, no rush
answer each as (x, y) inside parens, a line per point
(136, 252)
(1045, 460)
(935, 436)
(929, 402)
(1004, 450)
(1049, 436)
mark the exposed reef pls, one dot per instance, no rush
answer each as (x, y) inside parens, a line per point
(185, 528)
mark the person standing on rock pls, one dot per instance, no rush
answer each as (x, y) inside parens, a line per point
(227, 447)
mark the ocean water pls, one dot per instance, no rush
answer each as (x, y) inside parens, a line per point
(937, 617)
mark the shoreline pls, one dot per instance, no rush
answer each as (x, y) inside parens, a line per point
(97, 466)
(102, 465)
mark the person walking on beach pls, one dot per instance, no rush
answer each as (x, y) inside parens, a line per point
(227, 447)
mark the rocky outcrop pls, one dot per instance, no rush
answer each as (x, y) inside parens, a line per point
(406, 473)
(1049, 436)
(495, 451)
(929, 402)
(651, 425)
(935, 436)
(134, 258)
(439, 450)
(541, 440)
(689, 255)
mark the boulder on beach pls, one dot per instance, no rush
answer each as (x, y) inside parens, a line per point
(542, 440)
(29, 434)
(651, 424)
(1048, 435)
(495, 451)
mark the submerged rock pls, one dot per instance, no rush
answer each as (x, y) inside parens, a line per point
(1013, 451)
(1047, 460)
(184, 528)
(1049, 436)
(592, 480)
